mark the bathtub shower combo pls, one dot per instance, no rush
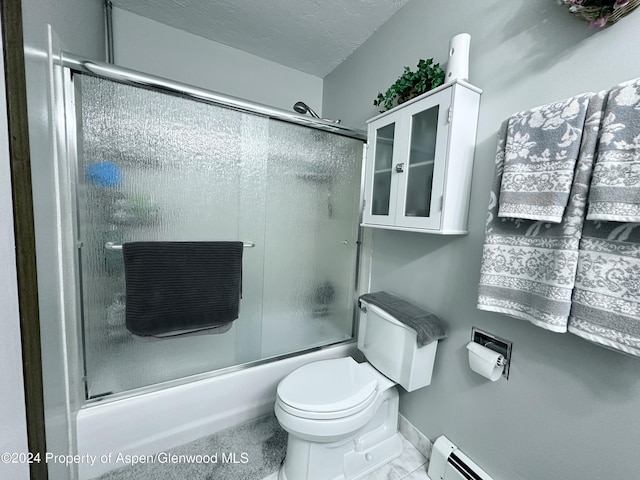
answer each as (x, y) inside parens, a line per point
(159, 162)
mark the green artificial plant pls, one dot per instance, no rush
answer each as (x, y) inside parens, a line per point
(410, 84)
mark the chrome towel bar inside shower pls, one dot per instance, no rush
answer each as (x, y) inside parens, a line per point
(117, 246)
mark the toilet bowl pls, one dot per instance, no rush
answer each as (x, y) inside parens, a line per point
(341, 415)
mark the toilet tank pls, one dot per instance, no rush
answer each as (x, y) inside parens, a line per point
(392, 348)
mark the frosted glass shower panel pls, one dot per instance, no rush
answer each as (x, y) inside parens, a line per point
(158, 167)
(311, 237)
(154, 166)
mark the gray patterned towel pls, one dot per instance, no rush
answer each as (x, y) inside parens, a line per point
(615, 188)
(528, 267)
(426, 324)
(606, 298)
(541, 150)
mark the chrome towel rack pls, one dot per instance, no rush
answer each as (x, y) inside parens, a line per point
(117, 246)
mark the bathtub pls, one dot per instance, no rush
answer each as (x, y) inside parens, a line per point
(156, 421)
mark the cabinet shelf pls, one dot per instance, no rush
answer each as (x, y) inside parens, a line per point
(415, 165)
(422, 164)
(441, 127)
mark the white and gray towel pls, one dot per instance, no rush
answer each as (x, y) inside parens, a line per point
(541, 151)
(606, 298)
(615, 187)
(528, 266)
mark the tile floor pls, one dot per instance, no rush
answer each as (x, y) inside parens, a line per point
(411, 465)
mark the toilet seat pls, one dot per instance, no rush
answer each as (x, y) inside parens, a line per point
(327, 389)
(333, 415)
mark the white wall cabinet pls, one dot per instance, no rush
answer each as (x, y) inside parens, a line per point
(420, 161)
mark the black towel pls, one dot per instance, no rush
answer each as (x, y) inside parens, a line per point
(177, 286)
(426, 324)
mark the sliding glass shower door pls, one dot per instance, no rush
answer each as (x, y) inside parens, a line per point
(154, 166)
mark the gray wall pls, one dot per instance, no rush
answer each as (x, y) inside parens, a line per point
(79, 25)
(13, 434)
(570, 408)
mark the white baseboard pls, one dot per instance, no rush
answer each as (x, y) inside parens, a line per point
(415, 436)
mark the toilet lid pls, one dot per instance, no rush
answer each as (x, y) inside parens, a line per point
(327, 386)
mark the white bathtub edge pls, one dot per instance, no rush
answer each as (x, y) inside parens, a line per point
(164, 419)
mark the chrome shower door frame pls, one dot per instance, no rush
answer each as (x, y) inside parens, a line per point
(70, 65)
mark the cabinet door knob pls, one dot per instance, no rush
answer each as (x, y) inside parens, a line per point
(400, 167)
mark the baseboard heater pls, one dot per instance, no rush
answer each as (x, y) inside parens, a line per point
(449, 463)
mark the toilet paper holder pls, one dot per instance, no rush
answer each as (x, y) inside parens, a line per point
(497, 344)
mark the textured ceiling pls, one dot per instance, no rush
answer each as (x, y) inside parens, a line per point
(313, 36)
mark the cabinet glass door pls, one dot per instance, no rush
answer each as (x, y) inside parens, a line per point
(422, 152)
(381, 188)
(421, 188)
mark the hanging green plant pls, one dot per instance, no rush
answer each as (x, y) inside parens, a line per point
(410, 84)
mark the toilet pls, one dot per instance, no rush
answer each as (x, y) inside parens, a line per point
(341, 415)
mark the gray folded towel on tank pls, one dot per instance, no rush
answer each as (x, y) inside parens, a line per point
(426, 324)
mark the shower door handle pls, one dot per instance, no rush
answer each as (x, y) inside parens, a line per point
(400, 167)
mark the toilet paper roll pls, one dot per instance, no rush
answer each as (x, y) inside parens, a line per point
(484, 361)
(458, 64)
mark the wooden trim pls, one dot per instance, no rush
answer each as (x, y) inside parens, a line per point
(20, 165)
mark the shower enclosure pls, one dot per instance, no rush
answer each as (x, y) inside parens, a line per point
(152, 161)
